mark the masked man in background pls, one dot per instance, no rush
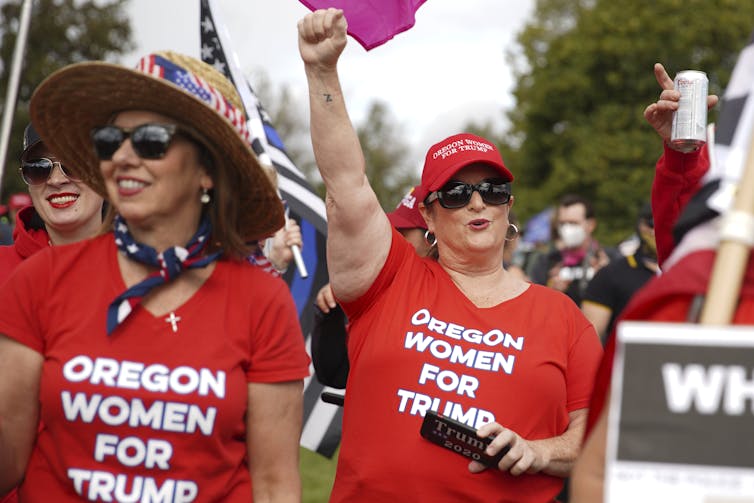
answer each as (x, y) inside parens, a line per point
(613, 286)
(574, 256)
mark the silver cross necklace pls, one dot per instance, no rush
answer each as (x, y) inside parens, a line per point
(173, 320)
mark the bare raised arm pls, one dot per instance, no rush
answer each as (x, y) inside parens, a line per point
(359, 233)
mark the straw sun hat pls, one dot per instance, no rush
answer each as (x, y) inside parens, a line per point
(75, 99)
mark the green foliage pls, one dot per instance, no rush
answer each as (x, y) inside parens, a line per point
(61, 32)
(382, 140)
(317, 476)
(287, 115)
(584, 76)
(386, 154)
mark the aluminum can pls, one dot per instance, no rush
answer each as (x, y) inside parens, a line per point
(689, 130)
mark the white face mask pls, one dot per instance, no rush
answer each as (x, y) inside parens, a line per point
(573, 235)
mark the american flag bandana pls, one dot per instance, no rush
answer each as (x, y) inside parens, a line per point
(171, 263)
(259, 258)
(162, 68)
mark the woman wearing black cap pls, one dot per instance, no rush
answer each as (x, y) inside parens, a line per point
(64, 209)
(458, 335)
(162, 364)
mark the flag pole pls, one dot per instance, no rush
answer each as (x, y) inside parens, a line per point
(12, 91)
(736, 240)
(255, 123)
(297, 258)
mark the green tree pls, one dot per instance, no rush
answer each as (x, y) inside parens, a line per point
(382, 139)
(584, 76)
(386, 152)
(287, 115)
(61, 32)
(387, 155)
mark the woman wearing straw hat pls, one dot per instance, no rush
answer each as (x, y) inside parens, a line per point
(160, 362)
(457, 335)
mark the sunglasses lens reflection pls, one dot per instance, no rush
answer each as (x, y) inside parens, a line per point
(36, 171)
(458, 194)
(149, 141)
(455, 196)
(107, 140)
(497, 193)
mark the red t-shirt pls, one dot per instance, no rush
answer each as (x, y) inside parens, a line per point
(416, 342)
(26, 242)
(147, 410)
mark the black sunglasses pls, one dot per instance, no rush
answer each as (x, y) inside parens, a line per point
(37, 171)
(149, 141)
(456, 194)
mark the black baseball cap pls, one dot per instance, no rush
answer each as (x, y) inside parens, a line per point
(31, 138)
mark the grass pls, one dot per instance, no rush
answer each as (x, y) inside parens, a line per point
(317, 476)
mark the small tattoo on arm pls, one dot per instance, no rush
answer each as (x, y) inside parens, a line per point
(328, 97)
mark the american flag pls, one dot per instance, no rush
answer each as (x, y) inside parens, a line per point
(322, 421)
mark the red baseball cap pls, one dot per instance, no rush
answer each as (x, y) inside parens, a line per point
(406, 215)
(19, 200)
(446, 158)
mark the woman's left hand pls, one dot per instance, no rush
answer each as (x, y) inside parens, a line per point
(523, 456)
(281, 253)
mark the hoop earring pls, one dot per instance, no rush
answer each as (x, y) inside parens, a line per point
(430, 238)
(205, 199)
(511, 233)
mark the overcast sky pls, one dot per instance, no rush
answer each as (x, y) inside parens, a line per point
(448, 69)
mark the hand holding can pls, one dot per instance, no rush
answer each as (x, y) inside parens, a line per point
(689, 130)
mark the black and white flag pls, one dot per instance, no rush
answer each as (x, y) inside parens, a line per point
(728, 155)
(322, 421)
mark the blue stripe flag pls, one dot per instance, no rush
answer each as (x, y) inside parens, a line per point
(322, 421)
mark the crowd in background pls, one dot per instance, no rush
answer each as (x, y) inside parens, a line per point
(556, 248)
(447, 292)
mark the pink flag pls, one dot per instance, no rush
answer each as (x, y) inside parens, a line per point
(372, 22)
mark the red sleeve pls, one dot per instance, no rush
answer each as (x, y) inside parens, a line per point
(400, 252)
(677, 178)
(277, 350)
(583, 358)
(9, 260)
(20, 317)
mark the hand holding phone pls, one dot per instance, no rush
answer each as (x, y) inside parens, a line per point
(459, 438)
